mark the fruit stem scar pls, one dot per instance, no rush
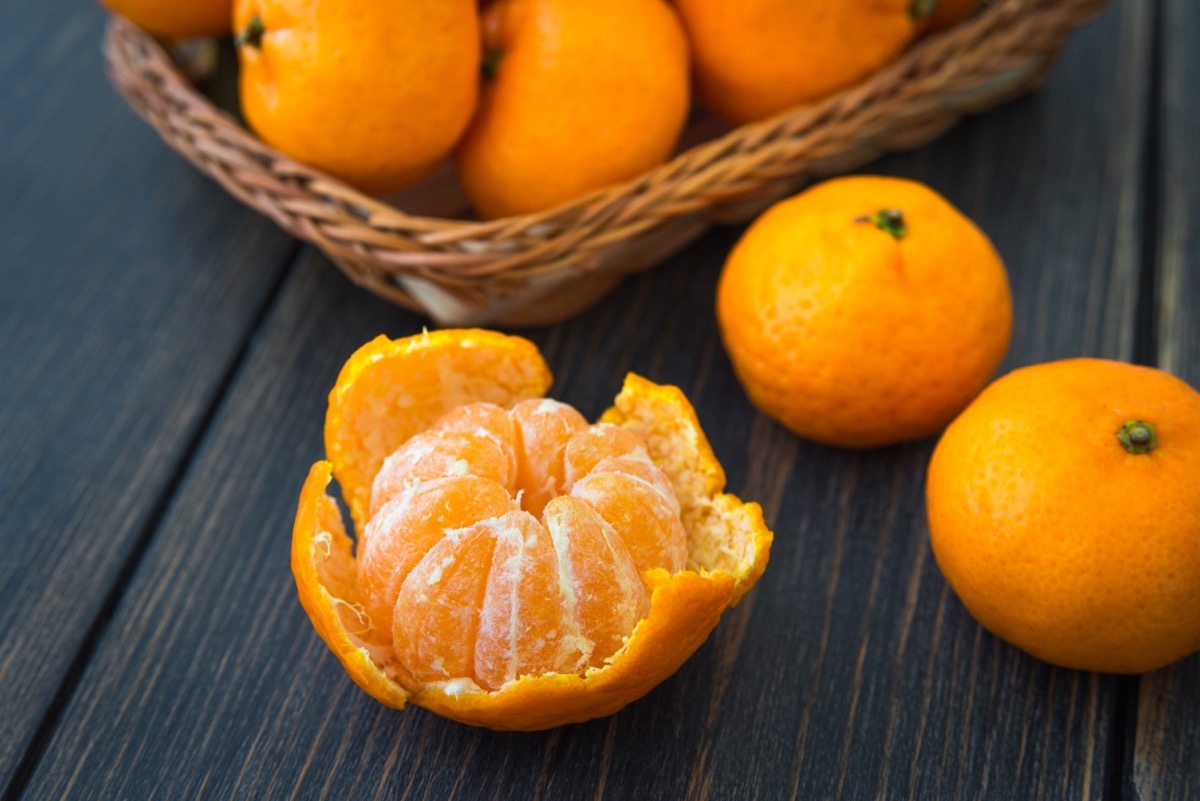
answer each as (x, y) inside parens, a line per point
(252, 34)
(1138, 437)
(888, 220)
(491, 62)
(920, 9)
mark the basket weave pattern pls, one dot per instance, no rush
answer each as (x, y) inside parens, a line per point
(547, 266)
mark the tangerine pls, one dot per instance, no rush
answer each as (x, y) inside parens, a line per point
(864, 311)
(1063, 512)
(755, 58)
(578, 96)
(517, 567)
(375, 94)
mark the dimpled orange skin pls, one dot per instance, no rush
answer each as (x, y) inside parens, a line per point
(1054, 536)
(755, 58)
(853, 338)
(584, 95)
(177, 19)
(375, 94)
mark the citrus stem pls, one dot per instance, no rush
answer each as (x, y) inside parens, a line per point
(1138, 436)
(889, 221)
(920, 9)
(252, 34)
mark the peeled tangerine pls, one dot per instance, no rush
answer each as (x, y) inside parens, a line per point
(517, 567)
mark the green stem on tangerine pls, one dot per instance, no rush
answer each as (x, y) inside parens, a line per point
(887, 220)
(252, 34)
(1138, 436)
(920, 9)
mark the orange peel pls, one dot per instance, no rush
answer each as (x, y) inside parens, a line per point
(391, 390)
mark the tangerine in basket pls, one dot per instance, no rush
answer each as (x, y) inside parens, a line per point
(516, 567)
(577, 96)
(755, 58)
(864, 311)
(375, 94)
(176, 19)
(1063, 510)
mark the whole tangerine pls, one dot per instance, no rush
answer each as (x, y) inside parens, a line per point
(375, 94)
(754, 58)
(176, 19)
(577, 96)
(864, 311)
(1064, 512)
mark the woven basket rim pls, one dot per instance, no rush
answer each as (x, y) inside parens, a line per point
(385, 217)
(527, 267)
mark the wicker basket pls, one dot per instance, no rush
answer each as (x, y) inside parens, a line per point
(548, 266)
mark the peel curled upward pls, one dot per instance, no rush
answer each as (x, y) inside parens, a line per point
(390, 391)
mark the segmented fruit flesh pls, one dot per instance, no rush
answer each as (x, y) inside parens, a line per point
(513, 543)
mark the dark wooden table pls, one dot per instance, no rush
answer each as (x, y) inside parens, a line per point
(165, 355)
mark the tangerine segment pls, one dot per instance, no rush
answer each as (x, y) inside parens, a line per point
(644, 516)
(446, 589)
(489, 421)
(432, 454)
(524, 628)
(390, 390)
(545, 426)
(598, 443)
(602, 587)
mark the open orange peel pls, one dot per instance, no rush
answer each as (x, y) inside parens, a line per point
(387, 392)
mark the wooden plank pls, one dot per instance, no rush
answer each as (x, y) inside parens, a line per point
(851, 670)
(129, 283)
(1166, 754)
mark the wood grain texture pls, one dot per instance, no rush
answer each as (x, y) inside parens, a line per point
(128, 283)
(851, 670)
(1167, 744)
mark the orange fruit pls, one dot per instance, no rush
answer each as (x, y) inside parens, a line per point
(580, 96)
(517, 568)
(1063, 510)
(864, 311)
(755, 58)
(372, 93)
(948, 13)
(176, 19)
